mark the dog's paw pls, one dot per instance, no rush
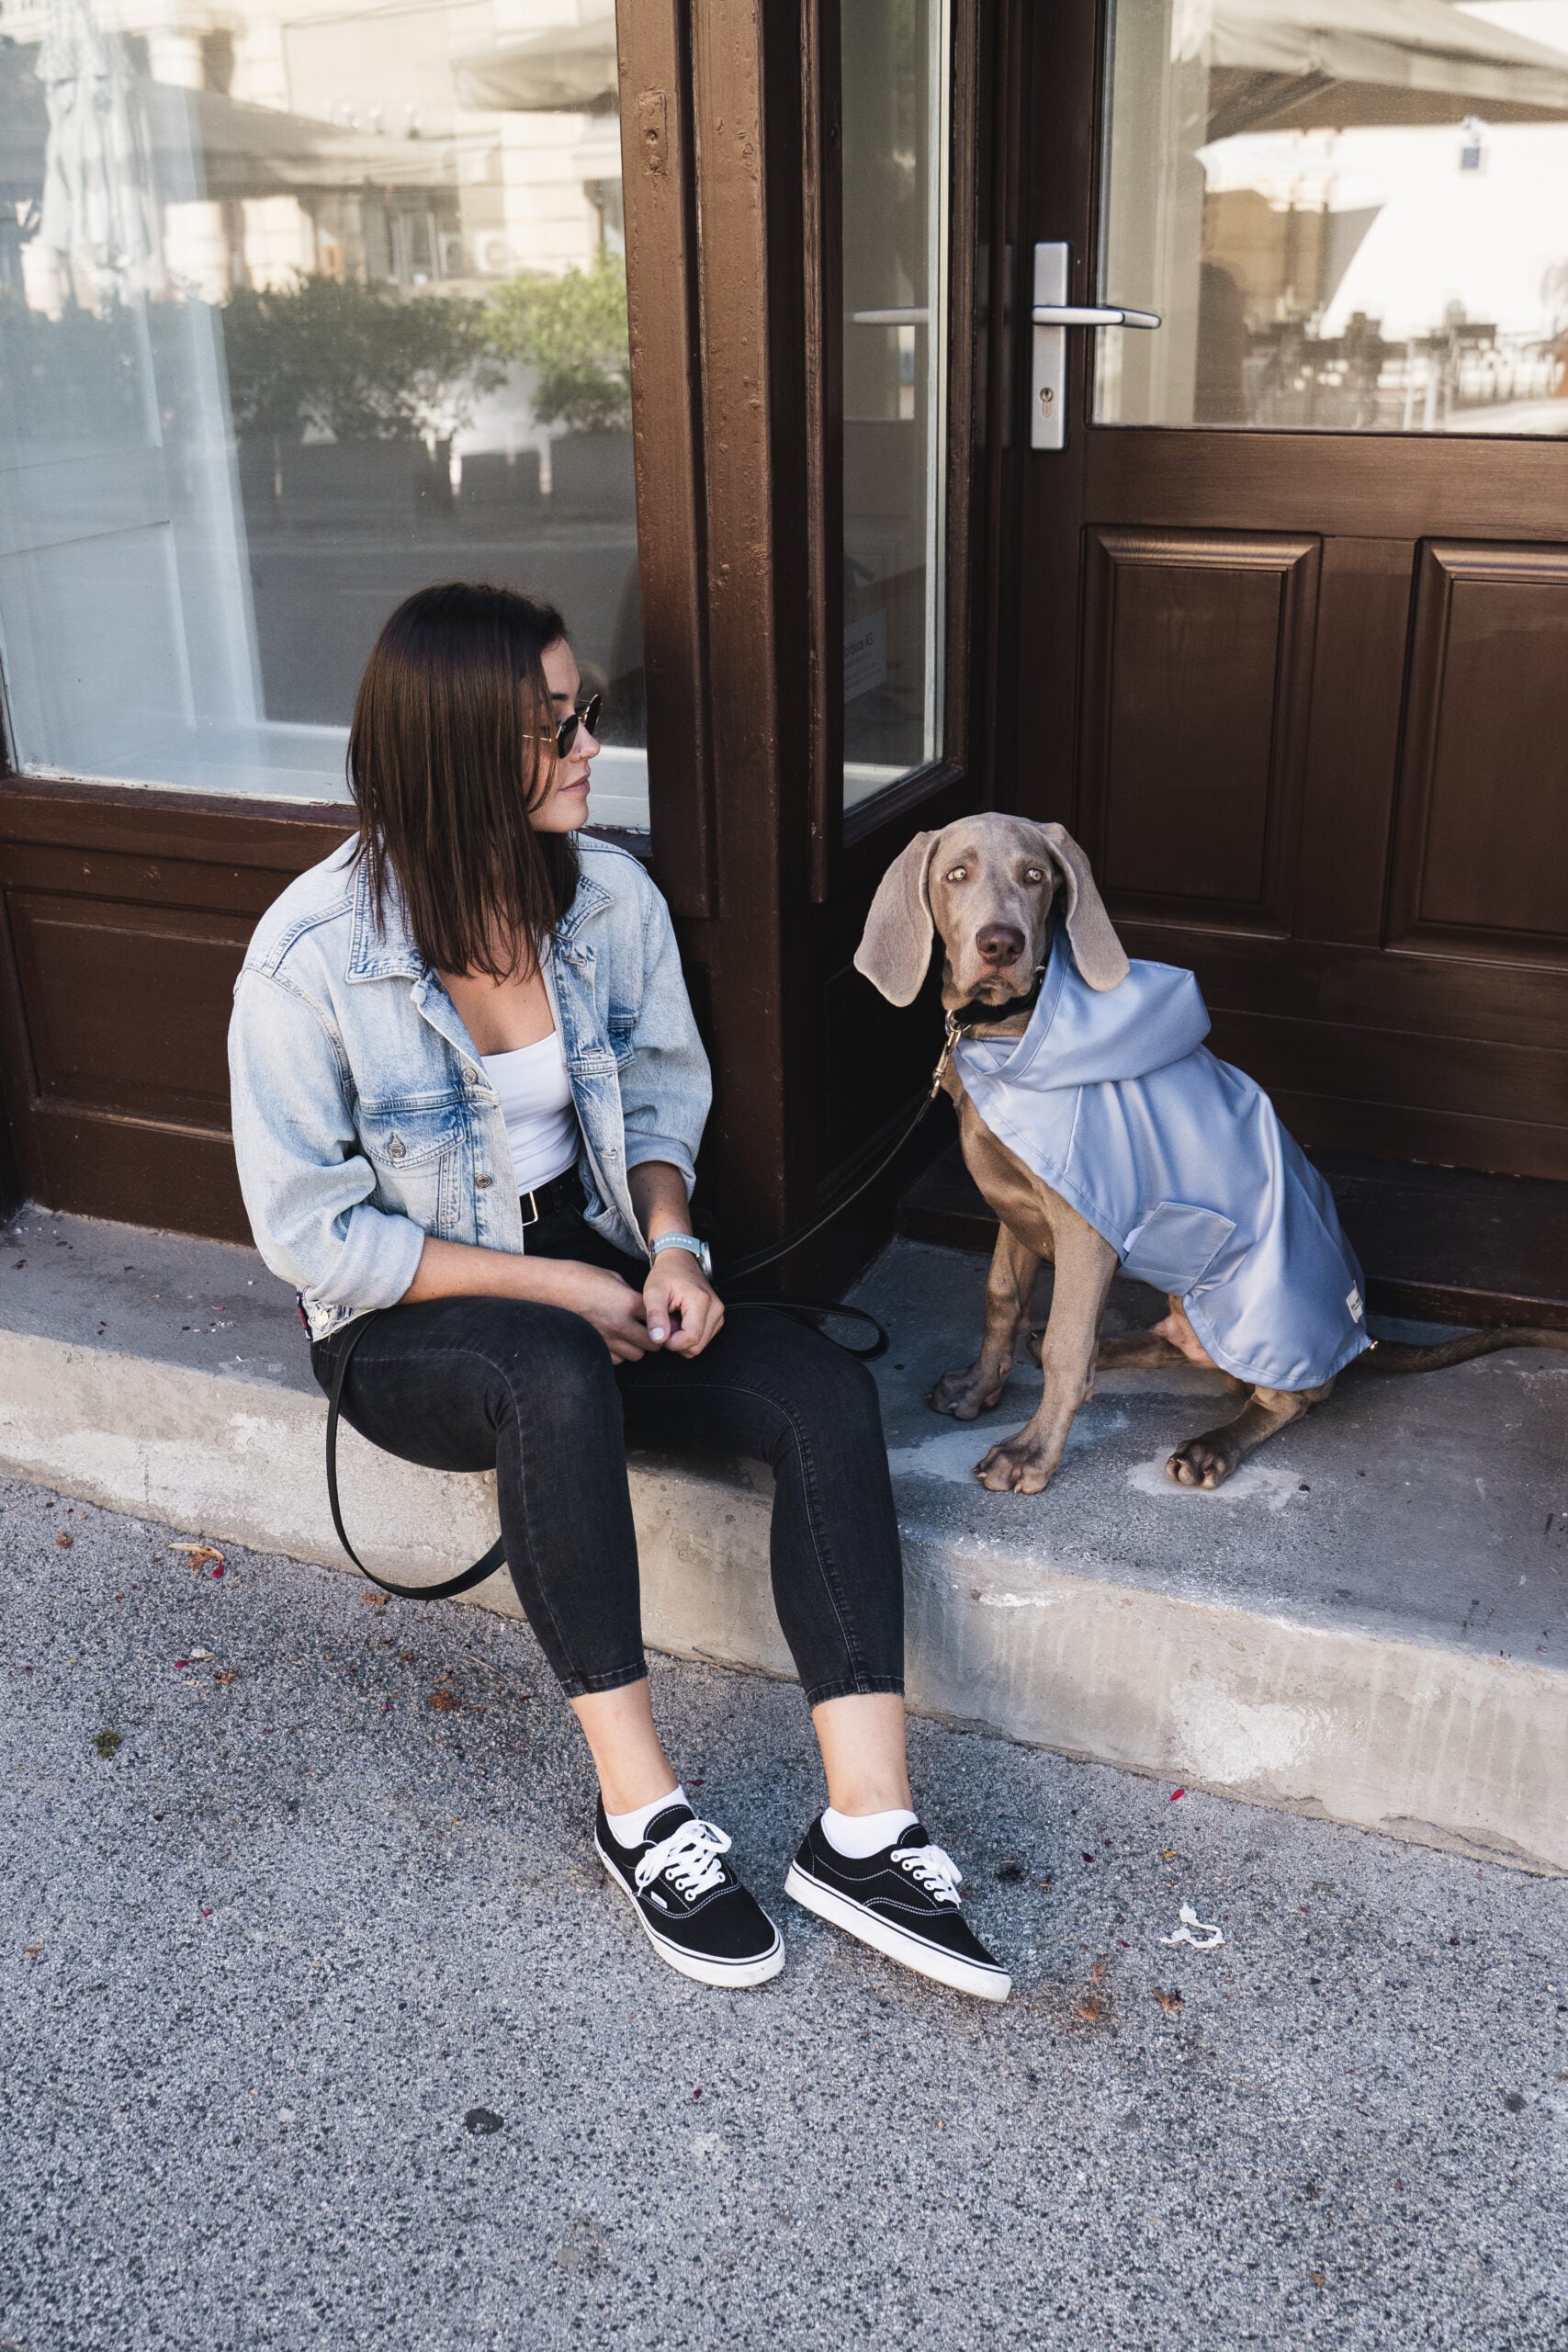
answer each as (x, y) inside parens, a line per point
(963, 1395)
(1015, 1468)
(1204, 1462)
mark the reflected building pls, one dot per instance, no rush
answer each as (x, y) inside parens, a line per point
(267, 282)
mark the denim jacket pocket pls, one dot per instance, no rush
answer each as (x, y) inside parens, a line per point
(415, 1149)
(1174, 1246)
(402, 1135)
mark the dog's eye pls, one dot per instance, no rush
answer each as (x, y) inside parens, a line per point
(1033, 874)
(956, 874)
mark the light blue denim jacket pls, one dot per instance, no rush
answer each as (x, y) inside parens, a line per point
(364, 1118)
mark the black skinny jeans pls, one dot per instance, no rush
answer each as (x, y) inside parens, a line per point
(530, 1391)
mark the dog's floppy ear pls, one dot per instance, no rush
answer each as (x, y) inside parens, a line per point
(1098, 953)
(895, 945)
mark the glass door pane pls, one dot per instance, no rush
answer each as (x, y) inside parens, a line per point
(894, 97)
(1348, 213)
(295, 317)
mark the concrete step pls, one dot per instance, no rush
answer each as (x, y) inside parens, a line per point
(1370, 1621)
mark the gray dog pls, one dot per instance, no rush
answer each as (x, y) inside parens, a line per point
(1087, 1107)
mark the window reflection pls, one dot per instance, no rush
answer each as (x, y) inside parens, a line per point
(295, 316)
(1348, 213)
(894, 92)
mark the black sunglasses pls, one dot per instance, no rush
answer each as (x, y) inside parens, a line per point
(564, 736)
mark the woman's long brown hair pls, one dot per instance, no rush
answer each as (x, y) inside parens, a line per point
(445, 764)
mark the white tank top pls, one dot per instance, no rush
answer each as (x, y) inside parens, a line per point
(534, 1092)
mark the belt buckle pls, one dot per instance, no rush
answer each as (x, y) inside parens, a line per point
(533, 1200)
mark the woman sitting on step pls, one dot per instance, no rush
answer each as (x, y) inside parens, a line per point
(467, 1094)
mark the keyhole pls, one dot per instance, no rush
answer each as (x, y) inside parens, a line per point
(1047, 397)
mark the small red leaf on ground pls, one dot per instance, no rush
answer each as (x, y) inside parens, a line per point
(1177, 1793)
(444, 1702)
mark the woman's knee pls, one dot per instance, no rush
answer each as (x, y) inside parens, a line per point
(547, 1364)
(829, 1388)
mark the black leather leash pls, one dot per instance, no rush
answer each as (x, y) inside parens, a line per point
(450, 1586)
(805, 1309)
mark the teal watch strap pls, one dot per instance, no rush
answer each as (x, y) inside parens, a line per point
(689, 1242)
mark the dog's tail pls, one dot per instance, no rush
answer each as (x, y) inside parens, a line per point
(1392, 1356)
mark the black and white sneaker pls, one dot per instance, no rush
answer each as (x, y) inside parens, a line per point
(903, 1902)
(693, 1909)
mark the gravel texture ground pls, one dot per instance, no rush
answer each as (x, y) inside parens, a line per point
(324, 2029)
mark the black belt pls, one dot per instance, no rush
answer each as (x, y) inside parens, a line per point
(562, 1192)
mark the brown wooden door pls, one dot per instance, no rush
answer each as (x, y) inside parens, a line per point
(1293, 633)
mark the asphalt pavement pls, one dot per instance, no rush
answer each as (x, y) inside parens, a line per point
(322, 2028)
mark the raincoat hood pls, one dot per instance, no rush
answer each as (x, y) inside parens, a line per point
(1083, 1037)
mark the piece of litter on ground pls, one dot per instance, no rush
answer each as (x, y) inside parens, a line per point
(1203, 1935)
(195, 1654)
(199, 1553)
(1177, 1794)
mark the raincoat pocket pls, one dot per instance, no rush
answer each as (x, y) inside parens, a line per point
(1175, 1244)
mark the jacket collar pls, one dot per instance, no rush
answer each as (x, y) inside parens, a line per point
(387, 951)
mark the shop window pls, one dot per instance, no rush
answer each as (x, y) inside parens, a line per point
(295, 318)
(1346, 224)
(896, 80)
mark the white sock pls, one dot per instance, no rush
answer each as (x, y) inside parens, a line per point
(857, 1836)
(631, 1828)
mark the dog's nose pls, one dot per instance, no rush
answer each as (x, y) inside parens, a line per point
(1000, 943)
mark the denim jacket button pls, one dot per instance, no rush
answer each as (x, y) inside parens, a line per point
(483, 1182)
(397, 1148)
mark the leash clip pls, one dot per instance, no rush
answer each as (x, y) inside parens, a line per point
(954, 1032)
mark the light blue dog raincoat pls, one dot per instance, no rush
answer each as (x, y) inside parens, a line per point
(1113, 1099)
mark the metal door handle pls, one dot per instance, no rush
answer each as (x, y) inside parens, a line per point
(1070, 314)
(1051, 313)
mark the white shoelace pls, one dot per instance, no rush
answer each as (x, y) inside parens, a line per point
(932, 1869)
(691, 1855)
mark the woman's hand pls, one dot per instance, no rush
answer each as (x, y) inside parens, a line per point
(683, 1308)
(610, 1303)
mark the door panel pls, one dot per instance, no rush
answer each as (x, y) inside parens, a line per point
(1197, 662)
(82, 962)
(1358, 702)
(1481, 860)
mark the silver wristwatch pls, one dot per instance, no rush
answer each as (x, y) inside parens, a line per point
(689, 1242)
